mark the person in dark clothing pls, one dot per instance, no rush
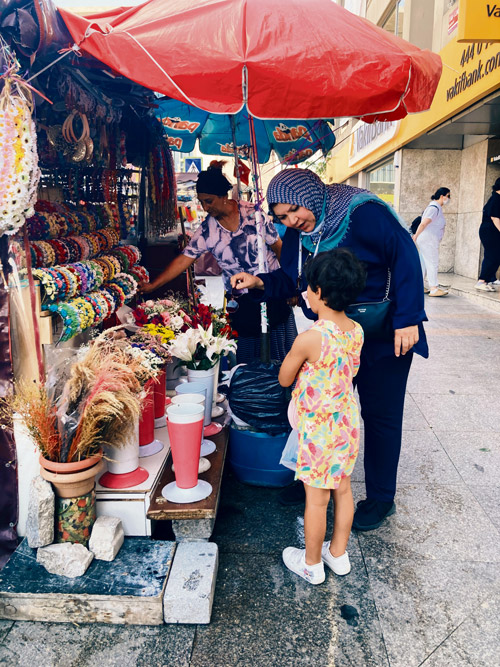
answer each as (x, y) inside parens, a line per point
(489, 233)
(319, 218)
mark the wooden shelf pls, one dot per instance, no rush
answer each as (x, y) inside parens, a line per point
(161, 509)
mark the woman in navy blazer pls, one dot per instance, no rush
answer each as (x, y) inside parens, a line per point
(321, 217)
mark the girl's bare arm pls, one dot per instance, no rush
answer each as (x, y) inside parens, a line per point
(306, 347)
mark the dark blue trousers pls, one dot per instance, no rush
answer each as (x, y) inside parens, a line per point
(381, 386)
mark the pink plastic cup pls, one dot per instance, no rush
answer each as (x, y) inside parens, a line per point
(185, 426)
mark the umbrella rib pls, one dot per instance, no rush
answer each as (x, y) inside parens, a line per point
(188, 99)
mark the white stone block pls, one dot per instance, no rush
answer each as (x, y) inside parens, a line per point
(66, 559)
(40, 521)
(106, 538)
(189, 592)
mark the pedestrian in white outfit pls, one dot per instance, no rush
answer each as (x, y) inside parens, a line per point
(428, 237)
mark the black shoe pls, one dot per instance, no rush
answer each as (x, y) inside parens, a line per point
(294, 494)
(370, 514)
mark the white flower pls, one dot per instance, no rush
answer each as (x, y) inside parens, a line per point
(184, 345)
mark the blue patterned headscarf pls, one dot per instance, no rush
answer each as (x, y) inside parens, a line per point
(330, 204)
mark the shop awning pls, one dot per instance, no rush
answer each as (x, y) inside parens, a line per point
(284, 59)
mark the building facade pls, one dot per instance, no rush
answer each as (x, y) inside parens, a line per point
(456, 144)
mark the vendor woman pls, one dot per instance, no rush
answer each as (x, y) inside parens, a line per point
(229, 232)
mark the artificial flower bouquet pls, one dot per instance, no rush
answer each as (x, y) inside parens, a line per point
(169, 313)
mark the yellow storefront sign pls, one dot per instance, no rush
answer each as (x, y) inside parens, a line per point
(478, 21)
(470, 73)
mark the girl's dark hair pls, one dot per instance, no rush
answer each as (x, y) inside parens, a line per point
(496, 185)
(340, 276)
(440, 192)
(212, 181)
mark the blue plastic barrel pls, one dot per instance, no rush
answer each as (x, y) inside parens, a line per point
(255, 456)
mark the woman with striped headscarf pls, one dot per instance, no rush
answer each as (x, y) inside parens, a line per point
(320, 217)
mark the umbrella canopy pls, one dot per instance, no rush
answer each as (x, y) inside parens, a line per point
(292, 140)
(282, 59)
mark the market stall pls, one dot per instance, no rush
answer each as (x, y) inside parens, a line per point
(106, 175)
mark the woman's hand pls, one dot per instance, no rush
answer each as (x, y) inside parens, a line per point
(146, 288)
(405, 339)
(246, 281)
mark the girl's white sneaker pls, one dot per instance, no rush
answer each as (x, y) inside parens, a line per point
(295, 560)
(340, 565)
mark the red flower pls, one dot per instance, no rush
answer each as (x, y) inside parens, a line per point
(140, 316)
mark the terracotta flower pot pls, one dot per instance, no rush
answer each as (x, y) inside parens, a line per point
(74, 466)
(72, 484)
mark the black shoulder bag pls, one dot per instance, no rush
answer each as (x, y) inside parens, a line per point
(374, 316)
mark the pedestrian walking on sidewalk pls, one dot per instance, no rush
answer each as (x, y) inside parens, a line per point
(324, 361)
(321, 217)
(428, 237)
(489, 233)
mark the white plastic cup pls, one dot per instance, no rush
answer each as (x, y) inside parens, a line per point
(181, 399)
(185, 414)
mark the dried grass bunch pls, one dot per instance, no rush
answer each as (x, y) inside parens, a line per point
(99, 405)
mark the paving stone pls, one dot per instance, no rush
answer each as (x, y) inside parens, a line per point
(88, 645)
(5, 627)
(457, 412)
(66, 560)
(476, 455)
(488, 496)
(435, 521)
(423, 460)
(251, 521)
(190, 587)
(420, 602)
(40, 521)
(106, 538)
(413, 419)
(475, 642)
(265, 615)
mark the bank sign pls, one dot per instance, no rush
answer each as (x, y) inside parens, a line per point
(367, 137)
(478, 21)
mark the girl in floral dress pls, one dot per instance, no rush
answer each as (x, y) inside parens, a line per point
(324, 361)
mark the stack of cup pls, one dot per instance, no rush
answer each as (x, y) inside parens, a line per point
(185, 426)
(206, 378)
(198, 388)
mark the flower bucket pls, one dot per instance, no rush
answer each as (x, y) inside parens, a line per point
(123, 464)
(147, 418)
(75, 518)
(173, 373)
(147, 443)
(159, 394)
(207, 379)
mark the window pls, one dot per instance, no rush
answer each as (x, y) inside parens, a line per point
(381, 181)
(394, 22)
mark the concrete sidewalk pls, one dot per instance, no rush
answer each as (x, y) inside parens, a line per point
(424, 588)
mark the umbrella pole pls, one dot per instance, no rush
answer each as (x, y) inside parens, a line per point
(236, 159)
(265, 336)
(190, 268)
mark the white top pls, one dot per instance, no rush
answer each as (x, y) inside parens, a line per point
(438, 222)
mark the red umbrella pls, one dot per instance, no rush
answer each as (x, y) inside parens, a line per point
(284, 58)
